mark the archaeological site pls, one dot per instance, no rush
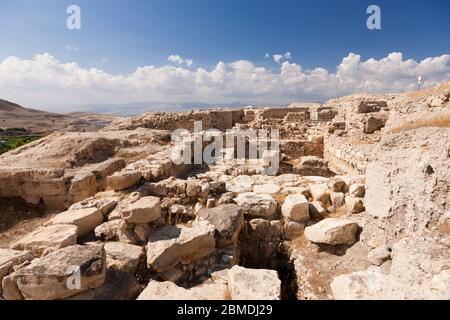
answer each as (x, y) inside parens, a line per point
(357, 208)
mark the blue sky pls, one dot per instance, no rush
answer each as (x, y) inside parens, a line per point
(120, 36)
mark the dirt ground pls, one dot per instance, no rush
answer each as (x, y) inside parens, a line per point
(17, 218)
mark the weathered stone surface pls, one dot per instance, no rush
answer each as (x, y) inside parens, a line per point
(379, 255)
(117, 286)
(54, 276)
(171, 245)
(320, 192)
(295, 208)
(52, 237)
(123, 179)
(337, 185)
(357, 190)
(85, 219)
(10, 258)
(419, 270)
(210, 290)
(117, 230)
(227, 220)
(122, 256)
(256, 205)
(254, 284)
(407, 181)
(144, 210)
(317, 210)
(337, 199)
(332, 231)
(293, 230)
(354, 204)
(311, 166)
(240, 184)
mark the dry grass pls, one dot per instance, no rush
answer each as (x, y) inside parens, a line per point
(438, 120)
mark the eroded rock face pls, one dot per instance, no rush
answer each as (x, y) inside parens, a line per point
(52, 237)
(227, 220)
(257, 205)
(171, 245)
(254, 284)
(420, 270)
(10, 258)
(295, 208)
(60, 274)
(332, 231)
(123, 257)
(85, 219)
(408, 181)
(144, 210)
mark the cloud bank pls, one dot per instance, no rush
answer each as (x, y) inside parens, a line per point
(45, 81)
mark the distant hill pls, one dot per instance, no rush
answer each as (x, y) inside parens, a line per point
(13, 115)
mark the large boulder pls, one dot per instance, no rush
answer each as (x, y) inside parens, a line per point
(170, 245)
(144, 210)
(332, 231)
(85, 219)
(254, 284)
(227, 220)
(123, 257)
(257, 205)
(52, 237)
(295, 208)
(58, 275)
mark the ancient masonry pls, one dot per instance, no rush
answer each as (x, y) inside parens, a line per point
(359, 208)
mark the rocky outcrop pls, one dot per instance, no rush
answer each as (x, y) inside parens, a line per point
(60, 274)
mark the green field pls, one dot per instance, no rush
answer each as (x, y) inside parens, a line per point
(11, 143)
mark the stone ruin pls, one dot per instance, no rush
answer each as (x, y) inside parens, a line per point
(359, 208)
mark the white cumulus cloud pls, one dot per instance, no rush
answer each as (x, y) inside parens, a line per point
(44, 81)
(175, 58)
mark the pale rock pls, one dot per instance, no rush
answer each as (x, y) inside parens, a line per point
(122, 256)
(295, 208)
(257, 205)
(10, 258)
(332, 231)
(317, 210)
(52, 237)
(337, 199)
(253, 284)
(320, 192)
(357, 190)
(293, 230)
(379, 255)
(240, 184)
(354, 204)
(227, 220)
(337, 185)
(85, 219)
(123, 179)
(117, 230)
(171, 245)
(144, 210)
(53, 276)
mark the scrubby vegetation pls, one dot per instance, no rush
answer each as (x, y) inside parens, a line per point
(12, 143)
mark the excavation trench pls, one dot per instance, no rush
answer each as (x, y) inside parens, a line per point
(261, 246)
